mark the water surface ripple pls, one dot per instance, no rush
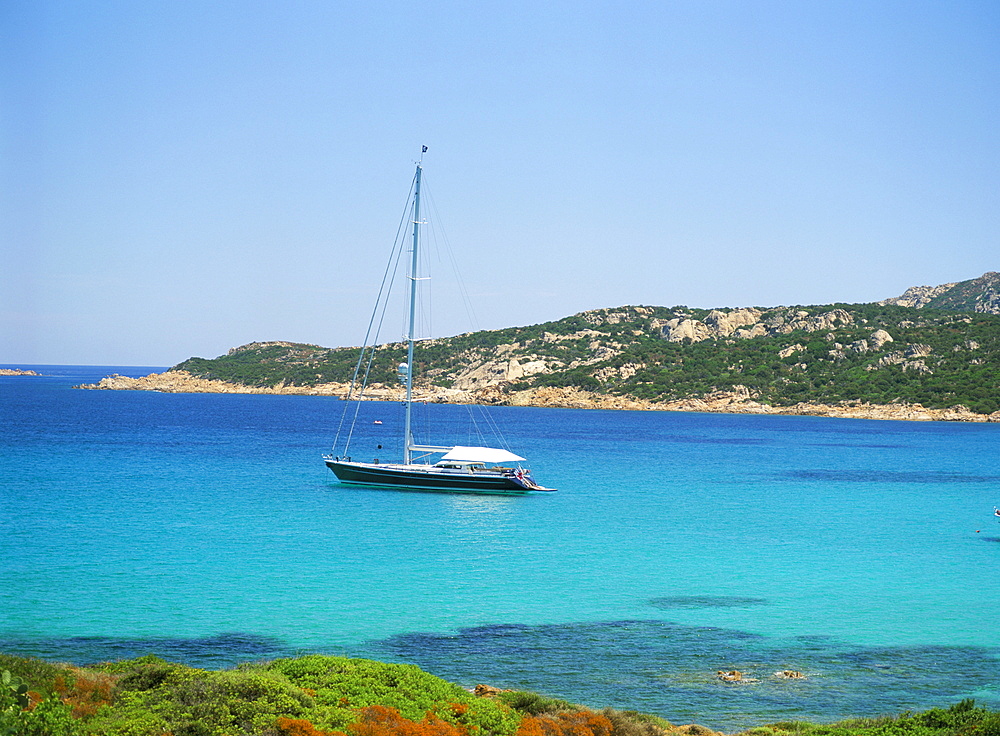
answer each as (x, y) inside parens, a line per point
(206, 529)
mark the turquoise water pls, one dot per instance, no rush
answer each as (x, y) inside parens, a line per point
(206, 529)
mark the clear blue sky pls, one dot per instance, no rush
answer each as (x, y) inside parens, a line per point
(177, 178)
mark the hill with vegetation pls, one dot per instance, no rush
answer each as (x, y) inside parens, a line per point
(899, 351)
(975, 295)
(333, 696)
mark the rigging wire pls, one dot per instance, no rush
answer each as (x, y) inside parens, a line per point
(445, 245)
(442, 247)
(370, 345)
(495, 431)
(440, 242)
(371, 358)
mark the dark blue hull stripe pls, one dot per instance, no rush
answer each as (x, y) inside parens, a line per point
(424, 481)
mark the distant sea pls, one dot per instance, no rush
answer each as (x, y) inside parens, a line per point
(205, 528)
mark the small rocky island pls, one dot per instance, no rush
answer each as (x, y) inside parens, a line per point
(17, 372)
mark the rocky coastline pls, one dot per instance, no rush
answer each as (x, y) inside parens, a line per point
(17, 372)
(738, 401)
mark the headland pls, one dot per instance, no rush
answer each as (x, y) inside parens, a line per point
(736, 401)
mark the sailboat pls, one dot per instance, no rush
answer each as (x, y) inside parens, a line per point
(457, 469)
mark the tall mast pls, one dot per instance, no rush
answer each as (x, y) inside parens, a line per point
(407, 433)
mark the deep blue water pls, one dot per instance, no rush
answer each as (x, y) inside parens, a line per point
(205, 529)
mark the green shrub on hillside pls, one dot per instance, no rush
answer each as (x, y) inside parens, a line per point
(341, 686)
(962, 719)
(28, 705)
(589, 351)
(335, 696)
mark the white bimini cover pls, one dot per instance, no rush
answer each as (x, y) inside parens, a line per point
(480, 455)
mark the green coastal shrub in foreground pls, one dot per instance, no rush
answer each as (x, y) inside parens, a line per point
(335, 696)
(961, 719)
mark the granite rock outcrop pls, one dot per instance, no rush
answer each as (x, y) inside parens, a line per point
(746, 324)
(980, 295)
